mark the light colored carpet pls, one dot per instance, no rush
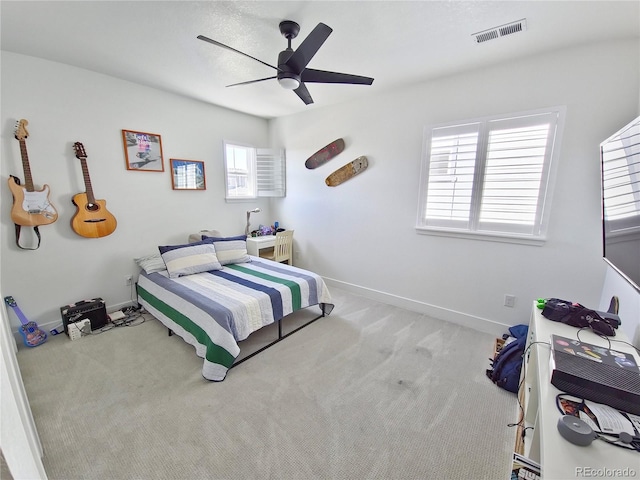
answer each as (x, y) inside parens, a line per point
(370, 392)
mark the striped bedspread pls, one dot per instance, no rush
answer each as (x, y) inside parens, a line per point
(214, 310)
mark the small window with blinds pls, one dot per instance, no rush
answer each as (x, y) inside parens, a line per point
(489, 176)
(253, 172)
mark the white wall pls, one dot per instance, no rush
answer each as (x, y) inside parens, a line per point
(361, 234)
(64, 105)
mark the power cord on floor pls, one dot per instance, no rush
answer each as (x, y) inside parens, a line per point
(134, 316)
(525, 358)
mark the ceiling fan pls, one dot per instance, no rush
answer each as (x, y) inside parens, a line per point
(292, 65)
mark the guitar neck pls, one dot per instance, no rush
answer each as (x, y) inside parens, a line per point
(87, 181)
(28, 180)
(20, 315)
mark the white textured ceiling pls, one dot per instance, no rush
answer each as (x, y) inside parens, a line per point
(395, 42)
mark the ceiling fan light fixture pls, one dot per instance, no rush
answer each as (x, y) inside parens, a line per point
(289, 83)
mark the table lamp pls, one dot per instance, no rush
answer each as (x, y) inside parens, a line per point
(249, 212)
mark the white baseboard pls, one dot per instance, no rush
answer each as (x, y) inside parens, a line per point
(448, 315)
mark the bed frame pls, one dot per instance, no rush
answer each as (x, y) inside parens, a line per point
(280, 335)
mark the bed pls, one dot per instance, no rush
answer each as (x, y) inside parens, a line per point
(214, 309)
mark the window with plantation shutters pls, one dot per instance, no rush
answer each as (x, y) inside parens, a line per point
(621, 181)
(489, 176)
(253, 172)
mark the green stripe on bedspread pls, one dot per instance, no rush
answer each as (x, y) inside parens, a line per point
(296, 296)
(214, 353)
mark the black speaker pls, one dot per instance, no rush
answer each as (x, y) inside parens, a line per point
(94, 309)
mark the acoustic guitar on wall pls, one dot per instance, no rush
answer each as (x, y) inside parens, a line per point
(31, 207)
(92, 219)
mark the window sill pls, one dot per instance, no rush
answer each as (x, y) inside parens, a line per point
(483, 236)
(240, 199)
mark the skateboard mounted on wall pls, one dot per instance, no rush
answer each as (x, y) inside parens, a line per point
(325, 154)
(347, 171)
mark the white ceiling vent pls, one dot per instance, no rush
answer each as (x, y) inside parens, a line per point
(501, 31)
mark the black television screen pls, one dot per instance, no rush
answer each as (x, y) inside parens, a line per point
(620, 162)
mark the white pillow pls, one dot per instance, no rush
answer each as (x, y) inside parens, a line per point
(151, 263)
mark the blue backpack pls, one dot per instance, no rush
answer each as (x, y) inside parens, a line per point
(507, 365)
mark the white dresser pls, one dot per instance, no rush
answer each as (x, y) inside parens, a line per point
(560, 459)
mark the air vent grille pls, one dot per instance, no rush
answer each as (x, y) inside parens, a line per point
(501, 31)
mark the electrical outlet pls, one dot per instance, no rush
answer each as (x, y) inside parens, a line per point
(509, 301)
(127, 280)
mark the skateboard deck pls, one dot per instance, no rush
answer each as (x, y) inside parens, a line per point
(325, 154)
(347, 171)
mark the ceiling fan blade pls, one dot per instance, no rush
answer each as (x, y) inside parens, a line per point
(202, 37)
(304, 94)
(250, 81)
(321, 76)
(308, 48)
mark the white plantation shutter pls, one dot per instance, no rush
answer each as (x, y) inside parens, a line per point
(270, 172)
(515, 173)
(489, 175)
(451, 174)
(621, 180)
(253, 172)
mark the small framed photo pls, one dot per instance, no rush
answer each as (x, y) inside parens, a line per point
(143, 151)
(187, 175)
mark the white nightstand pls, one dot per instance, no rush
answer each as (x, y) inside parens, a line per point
(255, 244)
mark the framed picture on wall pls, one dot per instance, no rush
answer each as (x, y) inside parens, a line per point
(143, 151)
(187, 175)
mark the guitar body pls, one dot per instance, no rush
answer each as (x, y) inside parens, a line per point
(31, 334)
(31, 209)
(92, 220)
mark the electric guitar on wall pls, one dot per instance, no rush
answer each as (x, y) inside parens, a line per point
(31, 207)
(31, 333)
(92, 219)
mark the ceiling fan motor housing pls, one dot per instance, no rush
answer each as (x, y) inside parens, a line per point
(287, 77)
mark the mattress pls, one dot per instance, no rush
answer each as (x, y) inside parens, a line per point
(215, 310)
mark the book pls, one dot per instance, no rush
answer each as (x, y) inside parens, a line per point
(603, 419)
(524, 468)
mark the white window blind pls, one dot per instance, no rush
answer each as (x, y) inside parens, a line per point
(451, 175)
(489, 175)
(270, 172)
(621, 180)
(253, 172)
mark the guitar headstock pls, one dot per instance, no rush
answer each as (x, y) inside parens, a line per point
(10, 301)
(21, 129)
(80, 152)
